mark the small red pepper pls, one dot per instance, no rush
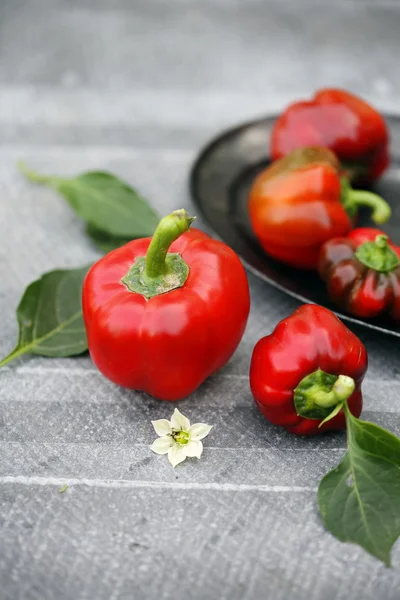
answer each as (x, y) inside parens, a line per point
(301, 201)
(362, 273)
(162, 321)
(302, 372)
(338, 120)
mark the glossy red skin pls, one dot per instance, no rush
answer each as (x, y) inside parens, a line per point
(368, 234)
(293, 212)
(361, 291)
(338, 120)
(168, 345)
(311, 338)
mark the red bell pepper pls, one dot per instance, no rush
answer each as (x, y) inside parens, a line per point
(301, 201)
(362, 273)
(338, 120)
(164, 313)
(302, 372)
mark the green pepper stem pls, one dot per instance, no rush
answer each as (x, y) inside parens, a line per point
(341, 390)
(381, 211)
(381, 242)
(168, 230)
(320, 395)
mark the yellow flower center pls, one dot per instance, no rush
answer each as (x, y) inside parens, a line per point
(182, 437)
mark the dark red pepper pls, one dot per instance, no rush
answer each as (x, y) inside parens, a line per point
(164, 313)
(302, 372)
(338, 120)
(302, 200)
(362, 273)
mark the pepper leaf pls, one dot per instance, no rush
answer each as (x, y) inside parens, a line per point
(50, 316)
(359, 500)
(109, 204)
(104, 241)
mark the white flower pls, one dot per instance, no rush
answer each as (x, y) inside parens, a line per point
(178, 439)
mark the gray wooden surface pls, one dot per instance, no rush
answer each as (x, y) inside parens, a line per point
(136, 87)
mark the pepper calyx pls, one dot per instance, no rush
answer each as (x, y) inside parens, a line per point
(161, 271)
(378, 255)
(318, 395)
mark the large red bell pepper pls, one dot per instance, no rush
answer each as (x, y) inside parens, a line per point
(301, 201)
(302, 372)
(338, 120)
(164, 313)
(362, 273)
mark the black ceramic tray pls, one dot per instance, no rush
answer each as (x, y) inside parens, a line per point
(220, 181)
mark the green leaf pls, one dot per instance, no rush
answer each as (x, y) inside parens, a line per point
(359, 501)
(101, 199)
(63, 488)
(104, 241)
(50, 316)
(333, 414)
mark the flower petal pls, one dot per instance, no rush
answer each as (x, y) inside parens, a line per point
(194, 448)
(179, 421)
(162, 444)
(176, 454)
(198, 431)
(162, 427)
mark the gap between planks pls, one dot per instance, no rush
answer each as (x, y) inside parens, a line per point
(130, 484)
(122, 446)
(93, 372)
(95, 152)
(85, 372)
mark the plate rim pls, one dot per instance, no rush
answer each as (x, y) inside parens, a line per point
(193, 175)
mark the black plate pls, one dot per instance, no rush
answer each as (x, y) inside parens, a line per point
(220, 181)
